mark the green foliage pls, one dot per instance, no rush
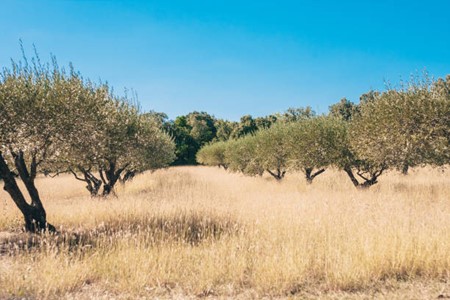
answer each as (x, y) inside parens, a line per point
(36, 102)
(265, 122)
(315, 144)
(190, 133)
(402, 128)
(272, 151)
(394, 129)
(126, 142)
(225, 129)
(58, 121)
(296, 114)
(240, 156)
(202, 127)
(362, 171)
(247, 125)
(38, 108)
(159, 117)
(196, 129)
(213, 154)
(440, 141)
(345, 109)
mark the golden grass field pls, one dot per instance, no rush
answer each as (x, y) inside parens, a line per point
(191, 232)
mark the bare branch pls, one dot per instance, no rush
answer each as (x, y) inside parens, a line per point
(76, 176)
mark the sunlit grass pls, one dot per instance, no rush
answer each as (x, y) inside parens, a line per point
(197, 231)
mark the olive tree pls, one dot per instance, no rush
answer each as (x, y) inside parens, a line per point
(272, 151)
(314, 144)
(240, 156)
(123, 143)
(52, 121)
(362, 171)
(440, 144)
(36, 105)
(213, 155)
(401, 128)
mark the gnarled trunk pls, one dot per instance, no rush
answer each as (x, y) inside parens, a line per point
(368, 181)
(93, 183)
(110, 176)
(34, 214)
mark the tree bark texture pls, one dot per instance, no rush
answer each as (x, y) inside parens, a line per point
(34, 214)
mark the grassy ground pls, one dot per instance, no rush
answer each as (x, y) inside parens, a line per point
(202, 232)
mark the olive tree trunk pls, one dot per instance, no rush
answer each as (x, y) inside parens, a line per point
(367, 182)
(93, 184)
(278, 174)
(110, 175)
(405, 169)
(34, 213)
(310, 175)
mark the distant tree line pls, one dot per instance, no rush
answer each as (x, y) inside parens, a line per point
(197, 129)
(395, 129)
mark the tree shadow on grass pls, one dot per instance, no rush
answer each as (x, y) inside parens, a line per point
(186, 228)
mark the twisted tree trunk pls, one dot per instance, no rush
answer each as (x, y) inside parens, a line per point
(110, 176)
(93, 183)
(34, 214)
(368, 181)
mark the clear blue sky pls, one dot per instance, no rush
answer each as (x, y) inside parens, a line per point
(231, 58)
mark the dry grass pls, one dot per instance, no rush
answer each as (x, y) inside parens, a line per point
(201, 232)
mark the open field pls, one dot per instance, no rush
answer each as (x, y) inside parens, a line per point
(191, 232)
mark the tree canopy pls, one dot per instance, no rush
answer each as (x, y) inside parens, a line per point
(394, 129)
(54, 121)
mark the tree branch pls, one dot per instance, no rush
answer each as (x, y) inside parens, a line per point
(317, 173)
(76, 176)
(360, 174)
(100, 170)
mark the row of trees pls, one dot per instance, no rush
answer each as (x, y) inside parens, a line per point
(396, 129)
(54, 121)
(196, 129)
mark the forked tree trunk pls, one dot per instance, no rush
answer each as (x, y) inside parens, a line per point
(93, 183)
(367, 181)
(310, 175)
(110, 176)
(34, 214)
(278, 174)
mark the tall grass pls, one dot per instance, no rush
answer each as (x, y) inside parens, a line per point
(198, 231)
